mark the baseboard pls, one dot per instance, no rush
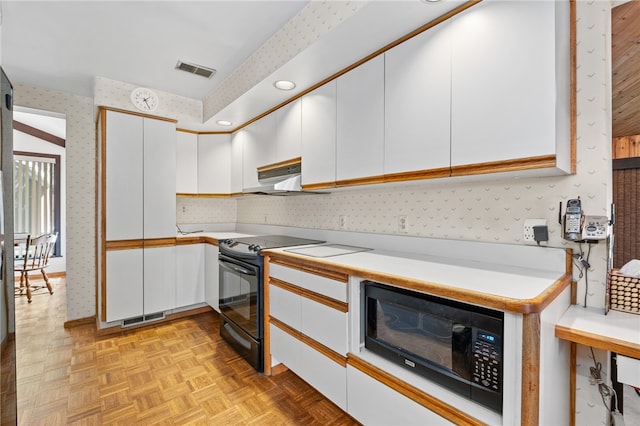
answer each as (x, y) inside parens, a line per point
(80, 322)
(277, 369)
(171, 317)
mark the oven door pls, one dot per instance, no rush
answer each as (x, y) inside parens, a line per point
(240, 294)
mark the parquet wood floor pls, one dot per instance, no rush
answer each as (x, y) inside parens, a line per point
(176, 373)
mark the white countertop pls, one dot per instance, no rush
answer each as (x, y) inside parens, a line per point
(616, 332)
(218, 235)
(520, 284)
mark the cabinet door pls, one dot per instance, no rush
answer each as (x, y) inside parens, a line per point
(189, 274)
(159, 214)
(186, 163)
(390, 407)
(417, 102)
(123, 169)
(259, 148)
(286, 349)
(324, 374)
(237, 143)
(211, 277)
(324, 324)
(503, 82)
(159, 279)
(288, 131)
(124, 292)
(319, 135)
(214, 164)
(360, 121)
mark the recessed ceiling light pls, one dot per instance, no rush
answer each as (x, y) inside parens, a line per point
(224, 122)
(429, 1)
(284, 84)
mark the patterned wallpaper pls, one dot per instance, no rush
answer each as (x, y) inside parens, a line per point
(205, 210)
(311, 23)
(80, 156)
(117, 94)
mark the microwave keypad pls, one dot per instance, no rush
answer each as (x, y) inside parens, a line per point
(486, 365)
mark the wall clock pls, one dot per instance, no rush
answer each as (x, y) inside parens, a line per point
(144, 99)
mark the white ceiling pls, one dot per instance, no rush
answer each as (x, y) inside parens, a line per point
(63, 45)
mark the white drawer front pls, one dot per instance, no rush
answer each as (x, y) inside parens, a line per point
(284, 306)
(325, 325)
(316, 283)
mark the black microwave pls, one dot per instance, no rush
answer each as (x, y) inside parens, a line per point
(457, 345)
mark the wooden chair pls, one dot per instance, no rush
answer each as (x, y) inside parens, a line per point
(36, 255)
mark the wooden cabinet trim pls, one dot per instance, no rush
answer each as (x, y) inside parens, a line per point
(139, 114)
(311, 295)
(518, 164)
(319, 347)
(122, 245)
(622, 347)
(202, 195)
(429, 402)
(314, 269)
(284, 163)
(530, 392)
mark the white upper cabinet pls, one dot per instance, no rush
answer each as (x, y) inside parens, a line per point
(360, 121)
(319, 135)
(214, 164)
(258, 149)
(237, 144)
(288, 131)
(140, 168)
(417, 102)
(510, 81)
(186, 161)
(159, 178)
(123, 169)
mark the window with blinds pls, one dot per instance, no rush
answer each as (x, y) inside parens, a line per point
(34, 181)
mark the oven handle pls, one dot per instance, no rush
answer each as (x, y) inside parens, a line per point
(236, 268)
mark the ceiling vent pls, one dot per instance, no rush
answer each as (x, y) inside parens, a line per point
(195, 69)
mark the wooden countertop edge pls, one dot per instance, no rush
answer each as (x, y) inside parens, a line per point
(599, 341)
(506, 304)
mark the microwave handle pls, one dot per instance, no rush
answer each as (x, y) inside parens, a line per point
(461, 350)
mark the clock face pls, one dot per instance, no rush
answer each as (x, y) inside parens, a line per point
(144, 99)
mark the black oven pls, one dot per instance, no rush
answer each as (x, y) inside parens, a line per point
(457, 345)
(240, 302)
(241, 297)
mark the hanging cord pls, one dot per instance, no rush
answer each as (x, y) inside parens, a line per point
(605, 390)
(583, 266)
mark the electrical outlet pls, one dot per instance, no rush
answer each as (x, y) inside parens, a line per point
(403, 224)
(265, 219)
(184, 209)
(342, 222)
(528, 229)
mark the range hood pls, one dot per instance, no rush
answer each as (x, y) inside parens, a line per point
(279, 179)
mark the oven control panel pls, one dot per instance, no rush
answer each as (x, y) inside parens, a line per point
(487, 360)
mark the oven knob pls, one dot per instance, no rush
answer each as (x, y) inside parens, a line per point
(252, 247)
(225, 241)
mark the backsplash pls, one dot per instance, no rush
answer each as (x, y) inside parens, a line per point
(205, 210)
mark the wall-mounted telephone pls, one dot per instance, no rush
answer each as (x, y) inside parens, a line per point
(573, 221)
(578, 227)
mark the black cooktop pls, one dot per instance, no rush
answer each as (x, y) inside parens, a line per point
(250, 246)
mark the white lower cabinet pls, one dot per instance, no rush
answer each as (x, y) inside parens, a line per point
(140, 282)
(124, 291)
(374, 403)
(190, 275)
(159, 279)
(315, 368)
(211, 277)
(313, 342)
